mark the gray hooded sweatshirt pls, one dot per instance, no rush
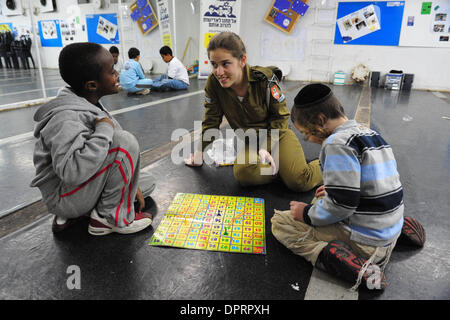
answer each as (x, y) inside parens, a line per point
(70, 148)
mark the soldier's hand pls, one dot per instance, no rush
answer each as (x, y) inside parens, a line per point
(195, 160)
(266, 157)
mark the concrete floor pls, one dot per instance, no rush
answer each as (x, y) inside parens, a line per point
(34, 262)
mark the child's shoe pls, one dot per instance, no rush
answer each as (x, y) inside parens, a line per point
(60, 224)
(412, 233)
(99, 226)
(338, 259)
(143, 92)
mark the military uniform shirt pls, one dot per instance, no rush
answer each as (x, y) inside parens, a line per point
(252, 112)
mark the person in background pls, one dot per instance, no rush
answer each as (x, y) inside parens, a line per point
(176, 78)
(132, 75)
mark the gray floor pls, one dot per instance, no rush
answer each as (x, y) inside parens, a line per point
(410, 121)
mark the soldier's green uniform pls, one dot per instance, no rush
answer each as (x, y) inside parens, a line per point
(253, 112)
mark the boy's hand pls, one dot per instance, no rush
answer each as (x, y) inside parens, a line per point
(297, 210)
(106, 119)
(320, 192)
(140, 199)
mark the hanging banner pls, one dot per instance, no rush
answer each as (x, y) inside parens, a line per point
(215, 16)
(164, 22)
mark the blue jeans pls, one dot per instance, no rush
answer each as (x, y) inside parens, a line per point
(162, 82)
(140, 84)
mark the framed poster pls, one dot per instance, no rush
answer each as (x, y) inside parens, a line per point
(143, 13)
(283, 14)
(102, 28)
(369, 23)
(50, 33)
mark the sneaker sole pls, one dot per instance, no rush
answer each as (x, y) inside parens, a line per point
(102, 231)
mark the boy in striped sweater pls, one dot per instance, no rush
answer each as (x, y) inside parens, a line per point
(352, 226)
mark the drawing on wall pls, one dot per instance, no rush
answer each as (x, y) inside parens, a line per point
(106, 29)
(143, 13)
(102, 28)
(358, 23)
(49, 30)
(440, 22)
(50, 33)
(284, 14)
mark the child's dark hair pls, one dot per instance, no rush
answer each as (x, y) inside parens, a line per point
(133, 53)
(165, 51)
(313, 100)
(229, 41)
(114, 49)
(79, 63)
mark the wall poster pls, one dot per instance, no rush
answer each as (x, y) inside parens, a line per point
(215, 16)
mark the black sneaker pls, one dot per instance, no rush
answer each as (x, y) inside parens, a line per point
(149, 203)
(61, 224)
(413, 233)
(338, 259)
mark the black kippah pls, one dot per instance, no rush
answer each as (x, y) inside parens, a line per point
(312, 94)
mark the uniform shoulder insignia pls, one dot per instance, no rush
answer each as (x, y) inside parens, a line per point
(276, 92)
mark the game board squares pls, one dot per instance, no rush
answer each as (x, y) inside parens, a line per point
(220, 223)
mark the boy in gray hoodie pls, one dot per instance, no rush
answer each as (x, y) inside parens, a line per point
(85, 163)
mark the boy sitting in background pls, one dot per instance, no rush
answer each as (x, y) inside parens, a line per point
(85, 163)
(132, 74)
(176, 78)
(118, 63)
(356, 222)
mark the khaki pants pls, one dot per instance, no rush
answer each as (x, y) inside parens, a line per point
(294, 171)
(308, 242)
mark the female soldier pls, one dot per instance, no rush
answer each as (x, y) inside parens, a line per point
(239, 92)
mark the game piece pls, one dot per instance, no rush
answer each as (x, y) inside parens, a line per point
(215, 223)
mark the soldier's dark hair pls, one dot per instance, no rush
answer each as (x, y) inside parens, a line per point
(79, 63)
(165, 50)
(229, 41)
(133, 53)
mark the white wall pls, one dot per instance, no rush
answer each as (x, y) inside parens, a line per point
(132, 37)
(429, 65)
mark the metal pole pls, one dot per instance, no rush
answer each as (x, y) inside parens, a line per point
(174, 49)
(121, 30)
(41, 75)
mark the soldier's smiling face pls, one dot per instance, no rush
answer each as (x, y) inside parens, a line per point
(228, 69)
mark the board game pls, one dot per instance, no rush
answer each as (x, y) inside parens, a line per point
(215, 223)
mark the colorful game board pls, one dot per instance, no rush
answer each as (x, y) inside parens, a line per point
(211, 222)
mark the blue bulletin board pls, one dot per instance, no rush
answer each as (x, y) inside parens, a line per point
(50, 33)
(144, 15)
(102, 28)
(369, 23)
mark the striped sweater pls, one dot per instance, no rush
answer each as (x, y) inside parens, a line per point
(362, 186)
